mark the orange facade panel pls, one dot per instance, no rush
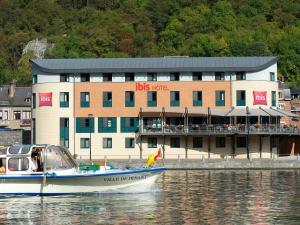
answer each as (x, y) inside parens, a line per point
(140, 89)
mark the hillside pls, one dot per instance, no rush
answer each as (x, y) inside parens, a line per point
(133, 28)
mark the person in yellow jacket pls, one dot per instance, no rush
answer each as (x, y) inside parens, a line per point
(152, 158)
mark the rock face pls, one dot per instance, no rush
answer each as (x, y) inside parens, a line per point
(38, 47)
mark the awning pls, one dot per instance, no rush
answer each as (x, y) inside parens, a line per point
(237, 112)
(219, 112)
(198, 112)
(272, 112)
(289, 114)
(257, 112)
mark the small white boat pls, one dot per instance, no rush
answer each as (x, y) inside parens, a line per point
(51, 170)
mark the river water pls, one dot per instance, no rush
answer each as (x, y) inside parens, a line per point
(179, 197)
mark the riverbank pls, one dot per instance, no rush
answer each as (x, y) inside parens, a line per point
(214, 164)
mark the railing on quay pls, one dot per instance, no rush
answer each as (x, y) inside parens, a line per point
(221, 129)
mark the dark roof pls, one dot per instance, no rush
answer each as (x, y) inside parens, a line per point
(159, 64)
(21, 93)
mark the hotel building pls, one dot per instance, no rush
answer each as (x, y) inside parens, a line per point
(190, 107)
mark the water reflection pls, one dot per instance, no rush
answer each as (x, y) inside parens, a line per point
(180, 197)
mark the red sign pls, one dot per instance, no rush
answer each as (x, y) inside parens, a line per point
(45, 99)
(259, 98)
(152, 87)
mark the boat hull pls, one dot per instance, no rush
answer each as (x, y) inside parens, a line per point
(76, 183)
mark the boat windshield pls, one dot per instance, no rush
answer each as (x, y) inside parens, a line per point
(59, 158)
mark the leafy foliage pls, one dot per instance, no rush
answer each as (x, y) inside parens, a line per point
(141, 28)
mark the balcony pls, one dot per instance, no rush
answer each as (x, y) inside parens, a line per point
(223, 129)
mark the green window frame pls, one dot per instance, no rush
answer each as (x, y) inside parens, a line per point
(152, 98)
(33, 100)
(272, 76)
(64, 99)
(84, 77)
(107, 99)
(220, 142)
(240, 76)
(175, 76)
(219, 75)
(151, 76)
(241, 98)
(129, 77)
(273, 98)
(107, 142)
(220, 98)
(152, 142)
(197, 142)
(84, 125)
(107, 124)
(107, 77)
(84, 99)
(129, 124)
(64, 132)
(129, 143)
(129, 99)
(197, 76)
(197, 98)
(175, 142)
(84, 143)
(174, 98)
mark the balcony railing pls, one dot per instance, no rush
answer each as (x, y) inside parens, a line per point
(221, 129)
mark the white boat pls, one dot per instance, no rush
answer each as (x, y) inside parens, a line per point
(51, 170)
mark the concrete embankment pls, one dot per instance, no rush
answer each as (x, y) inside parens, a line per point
(232, 164)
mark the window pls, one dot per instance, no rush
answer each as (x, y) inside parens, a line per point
(84, 77)
(240, 76)
(33, 131)
(273, 142)
(272, 76)
(64, 132)
(64, 99)
(17, 115)
(241, 142)
(1, 115)
(33, 100)
(107, 125)
(34, 79)
(197, 76)
(241, 98)
(174, 98)
(273, 98)
(5, 115)
(151, 76)
(152, 142)
(107, 99)
(220, 142)
(64, 77)
(129, 124)
(129, 77)
(18, 164)
(84, 99)
(129, 99)
(152, 98)
(84, 125)
(220, 98)
(197, 98)
(107, 142)
(219, 76)
(84, 143)
(175, 142)
(129, 143)
(107, 77)
(197, 142)
(174, 76)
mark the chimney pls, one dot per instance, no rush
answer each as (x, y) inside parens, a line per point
(11, 89)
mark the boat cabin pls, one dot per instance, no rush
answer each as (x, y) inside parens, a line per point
(34, 159)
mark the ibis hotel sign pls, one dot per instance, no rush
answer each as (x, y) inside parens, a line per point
(150, 87)
(45, 99)
(259, 98)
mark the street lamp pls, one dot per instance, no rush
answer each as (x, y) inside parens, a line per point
(90, 116)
